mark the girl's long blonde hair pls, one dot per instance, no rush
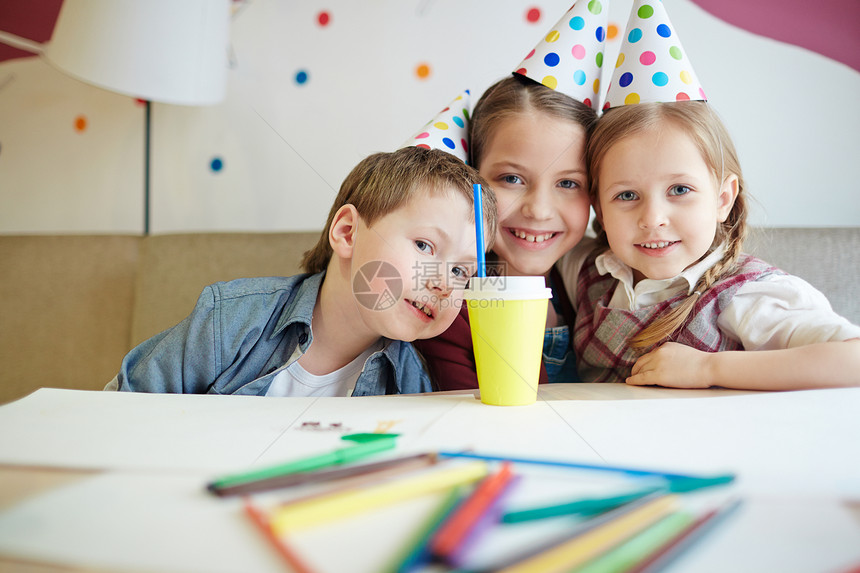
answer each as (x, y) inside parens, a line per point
(707, 131)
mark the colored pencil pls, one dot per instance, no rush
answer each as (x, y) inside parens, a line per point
(590, 523)
(321, 509)
(681, 542)
(633, 551)
(582, 506)
(369, 444)
(455, 530)
(416, 553)
(282, 547)
(479, 227)
(579, 549)
(376, 469)
(597, 467)
(490, 519)
(596, 505)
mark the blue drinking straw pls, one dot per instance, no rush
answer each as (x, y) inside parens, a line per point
(479, 227)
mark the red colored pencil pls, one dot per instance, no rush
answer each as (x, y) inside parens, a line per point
(455, 529)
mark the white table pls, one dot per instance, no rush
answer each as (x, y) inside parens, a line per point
(107, 481)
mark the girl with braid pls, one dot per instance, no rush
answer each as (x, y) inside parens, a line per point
(664, 295)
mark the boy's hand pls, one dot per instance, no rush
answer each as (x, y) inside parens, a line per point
(673, 365)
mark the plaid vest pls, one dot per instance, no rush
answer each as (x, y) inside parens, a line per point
(602, 335)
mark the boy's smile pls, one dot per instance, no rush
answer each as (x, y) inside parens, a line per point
(428, 247)
(659, 203)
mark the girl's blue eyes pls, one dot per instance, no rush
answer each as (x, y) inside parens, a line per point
(679, 190)
(675, 191)
(517, 180)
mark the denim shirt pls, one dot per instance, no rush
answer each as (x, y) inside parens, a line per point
(242, 333)
(558, 356)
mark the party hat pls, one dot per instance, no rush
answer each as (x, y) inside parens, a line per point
(570, 56)
(652, 66)
(448, 131)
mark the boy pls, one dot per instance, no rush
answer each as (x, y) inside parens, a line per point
(400, 241)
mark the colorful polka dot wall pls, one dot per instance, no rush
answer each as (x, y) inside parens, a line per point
(422, 71)
(570, 56)
(448, 130)
(81, 123)
(652, 65)
(533, 15)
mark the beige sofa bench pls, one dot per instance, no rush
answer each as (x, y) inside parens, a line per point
(72, 306)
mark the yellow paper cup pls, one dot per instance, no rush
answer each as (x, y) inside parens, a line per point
(508, 319)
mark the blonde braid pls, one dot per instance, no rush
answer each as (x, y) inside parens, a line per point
(708, 132)
(733, 232)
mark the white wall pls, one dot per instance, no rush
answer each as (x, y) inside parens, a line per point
(286, 147)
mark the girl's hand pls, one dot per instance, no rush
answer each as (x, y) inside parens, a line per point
(673, 365)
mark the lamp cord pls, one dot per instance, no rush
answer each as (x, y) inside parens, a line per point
(146, 161)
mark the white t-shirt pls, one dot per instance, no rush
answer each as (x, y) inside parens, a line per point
(296, 381)
(777, 311)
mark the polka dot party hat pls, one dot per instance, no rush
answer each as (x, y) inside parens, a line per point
(448, 131)
(570, 56)
(652, 66)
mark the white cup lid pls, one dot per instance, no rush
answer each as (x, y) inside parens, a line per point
(508, 288)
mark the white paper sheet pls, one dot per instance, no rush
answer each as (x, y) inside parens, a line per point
(155, 522)
(85, 429)
(805, 443)
(138, 522)
(119, 430)
(320, 426)
(537, 430)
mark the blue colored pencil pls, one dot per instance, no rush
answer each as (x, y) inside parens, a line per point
(597, 467)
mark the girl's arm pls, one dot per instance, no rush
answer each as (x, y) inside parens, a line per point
(821, 365)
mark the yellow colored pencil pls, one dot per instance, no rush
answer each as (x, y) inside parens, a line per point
(576, 551)
(322, 509)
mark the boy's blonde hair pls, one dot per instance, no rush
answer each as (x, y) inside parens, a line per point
(384, 182)
(705, 129)
(517, 94)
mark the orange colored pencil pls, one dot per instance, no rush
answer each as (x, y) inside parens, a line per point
(281, 546)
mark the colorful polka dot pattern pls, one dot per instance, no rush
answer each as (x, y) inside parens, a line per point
(652, 65)
(447, 131)
(570, 56)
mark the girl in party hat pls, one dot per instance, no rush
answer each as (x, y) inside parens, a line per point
(448, 130)
(527, 137)
(665, 295)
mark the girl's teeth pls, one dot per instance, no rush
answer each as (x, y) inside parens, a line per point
(533, 238)
(658, 245)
